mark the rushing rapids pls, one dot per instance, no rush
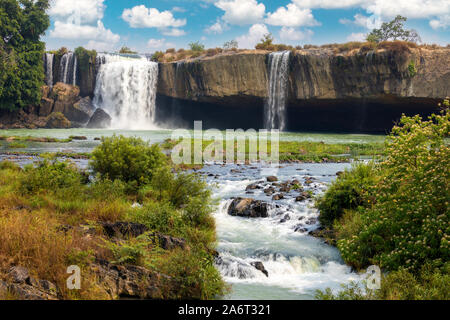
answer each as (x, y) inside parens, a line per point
(275, 108)
(126, 89)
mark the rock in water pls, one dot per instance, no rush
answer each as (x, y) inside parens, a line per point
(249, 208)
(259, 266)
(99, 120)
(272, 179)
(57, 120)
(81, 111)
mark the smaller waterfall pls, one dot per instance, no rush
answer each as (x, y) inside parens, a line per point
(68, 69)
(275, 109)
(126, 89)
(49, 69)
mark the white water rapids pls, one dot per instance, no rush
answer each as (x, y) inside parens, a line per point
(297, 263)
(126, 90)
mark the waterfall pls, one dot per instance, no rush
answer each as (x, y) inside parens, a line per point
(126, 89)
(68, 69)
(275, 108)
(49, 69)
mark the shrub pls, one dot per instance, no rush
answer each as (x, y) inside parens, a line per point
(170, 50)
(412, 69)
(347, 192)
(128, 159)
(158, 56)
(229, 45)
(52, 176)
(400, 47)
(197, 47)
(407, 224)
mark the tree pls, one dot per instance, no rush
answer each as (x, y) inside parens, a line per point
(22, 22)
(126, 50)
(230, 45)
(197, 46)
(266, 42)
(393, 30)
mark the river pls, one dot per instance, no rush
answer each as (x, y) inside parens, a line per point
(297, 264)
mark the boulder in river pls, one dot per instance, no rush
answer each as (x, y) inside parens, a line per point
(260, 266)
(278, 196)
(249, 208)
(272, 179)
(99, 120)
(57, 120)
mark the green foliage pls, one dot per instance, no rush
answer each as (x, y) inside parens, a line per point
(347, 192)
(128, 159)
(230, 45)
(16, 145)
(158, 56)
(133, 251)
(393, 30)
(265, 43)
(407, 223)
(126, 50)
(412, 69)
(85, 57)
(21, 65)
(427, 284)
(197, 47)
(50, 176)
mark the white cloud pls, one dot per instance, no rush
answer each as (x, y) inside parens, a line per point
(437, 10)
(241, 12)
(82, 19)
(159, 44)
(217, 28)
(67, 30)
(289, 34)
(173, 32)
(291, 16)
(255, 34)
(80, 11)
(443, 22)
(356, 37)
(143, 17)
(178, 9)
(363, 21)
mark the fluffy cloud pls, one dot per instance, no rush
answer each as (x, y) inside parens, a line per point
(291, 16)
(241, 12)
(289, 34)
(80, 11)
(143, 17)
(363, 21)
(159, 44)
(217, 28)
(255, 34)
(82, 20)
(388, 9)
(67, 30)
(443, 22)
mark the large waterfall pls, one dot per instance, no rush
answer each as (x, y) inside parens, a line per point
(68, 69)
(126, 89)
(48, 65)
(275, 108)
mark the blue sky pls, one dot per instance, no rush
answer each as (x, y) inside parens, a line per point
(147, 26)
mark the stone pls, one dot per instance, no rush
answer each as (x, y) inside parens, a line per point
(99, 120)
(249, 208)
(19, 274)
(46, 107)
(272, 179)
(278, 196)
(81, 111)
(124, 229)
(260, 266)
(57, 120)
(65, 96)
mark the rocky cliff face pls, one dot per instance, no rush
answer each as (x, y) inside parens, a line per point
(353, 92)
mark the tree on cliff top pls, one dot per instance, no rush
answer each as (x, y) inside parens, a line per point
(393, 30)
(22, 22)
(126, 50)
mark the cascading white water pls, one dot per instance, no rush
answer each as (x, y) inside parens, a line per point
(126, 89)
(275, 108)
(68, 68)
(49, 69)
